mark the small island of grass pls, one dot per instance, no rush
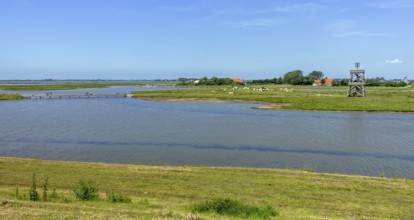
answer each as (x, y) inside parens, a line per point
(378, 99)
(11, 97)
(59, 86)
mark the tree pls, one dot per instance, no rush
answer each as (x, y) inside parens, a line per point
(373, 82)
(279, 81)
(315, 75)
(307, 81)
(213, 81)
(203, 81)
(294, 77)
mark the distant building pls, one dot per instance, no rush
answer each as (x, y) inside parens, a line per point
(318, 82)
(406, 80)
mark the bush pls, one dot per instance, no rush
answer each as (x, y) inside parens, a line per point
(33, 195)
(86, 190)
(116, 198)
(235, 208)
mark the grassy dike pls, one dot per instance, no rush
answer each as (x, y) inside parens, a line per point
(165, 192)
(296, 97)
(10, 97)
(56, 86)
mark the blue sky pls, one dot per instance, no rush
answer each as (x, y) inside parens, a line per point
(250, 39)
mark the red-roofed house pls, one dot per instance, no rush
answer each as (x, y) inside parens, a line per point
(237, 80)
(318, 82)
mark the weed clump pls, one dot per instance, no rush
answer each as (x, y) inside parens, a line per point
(86, 190)
(16, 193)
(33, 195)
(118, 198)
(54, 194)
(45, 189)
(234, 208)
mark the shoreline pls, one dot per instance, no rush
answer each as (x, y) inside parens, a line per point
(261, 105)
(305, 169)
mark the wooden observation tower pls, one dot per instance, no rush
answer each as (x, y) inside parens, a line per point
(356, 84)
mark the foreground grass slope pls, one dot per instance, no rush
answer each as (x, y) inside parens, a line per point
(298, 97)
(163, 192)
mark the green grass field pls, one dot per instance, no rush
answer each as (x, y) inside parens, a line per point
(167, 192)
(297, 97)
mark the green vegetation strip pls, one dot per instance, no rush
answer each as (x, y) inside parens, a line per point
(10, 97)
(66, 86)
(165, 192)
(296, 97)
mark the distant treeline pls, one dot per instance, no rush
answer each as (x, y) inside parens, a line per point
(336, 82)
(294, 77)
(277, 81)
(213, 81)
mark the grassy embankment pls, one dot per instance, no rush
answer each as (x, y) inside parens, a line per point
(163, 192)
(55, 86)
(10, 97)
(62, 86)
(298, 97)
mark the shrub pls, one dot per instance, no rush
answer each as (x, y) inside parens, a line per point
(86, 190)
(235, 208)
(33, 195)
(53, 195)
(116, 198)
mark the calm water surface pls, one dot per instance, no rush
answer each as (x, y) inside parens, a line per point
(123, 130)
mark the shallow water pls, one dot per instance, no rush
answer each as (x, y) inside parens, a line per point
(124, 130)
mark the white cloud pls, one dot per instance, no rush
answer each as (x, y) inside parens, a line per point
(394, 61)
(392, 4)
(360, 34)
(349, 28)
(305, 7)
(178, 9)
(254, 22)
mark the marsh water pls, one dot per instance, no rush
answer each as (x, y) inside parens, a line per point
(127, 130)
